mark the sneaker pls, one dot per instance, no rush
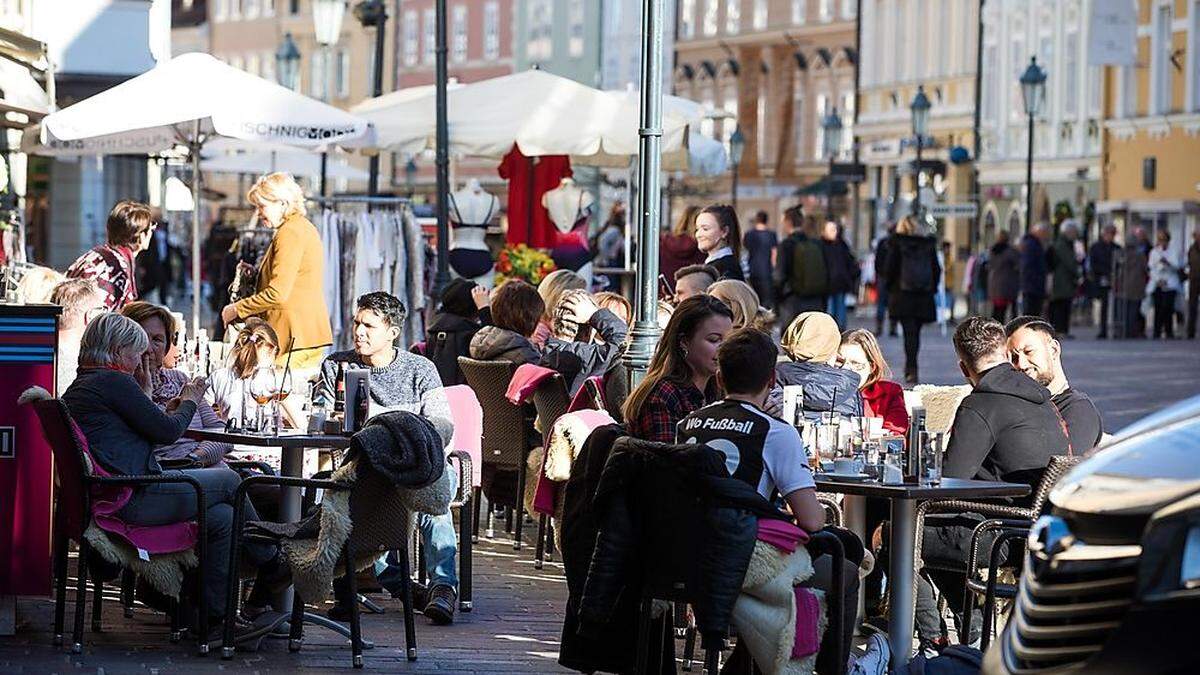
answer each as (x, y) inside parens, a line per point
(420, 592)
(440, 610)
(876, 660)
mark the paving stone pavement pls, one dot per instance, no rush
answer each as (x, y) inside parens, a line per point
(513, 629)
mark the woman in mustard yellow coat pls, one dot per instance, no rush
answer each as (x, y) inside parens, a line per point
(290, 292)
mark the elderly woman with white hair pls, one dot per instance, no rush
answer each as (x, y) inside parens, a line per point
(122, 426)
(289, 294)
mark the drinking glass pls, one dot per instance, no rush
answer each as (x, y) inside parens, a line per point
(263, 389)
(931, 458)
(827, 440)
(893, 468)
(872, 459)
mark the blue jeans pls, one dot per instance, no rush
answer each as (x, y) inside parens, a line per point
(837, 309)
(441, 549)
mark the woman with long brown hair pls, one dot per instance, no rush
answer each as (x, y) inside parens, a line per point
(719, 236)
(257, 346)
(680, 378)
(860, 352)
(677, 249)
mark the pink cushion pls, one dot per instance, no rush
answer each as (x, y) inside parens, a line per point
(525, 381)
(467, 415)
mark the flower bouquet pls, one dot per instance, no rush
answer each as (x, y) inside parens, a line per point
(522, 262)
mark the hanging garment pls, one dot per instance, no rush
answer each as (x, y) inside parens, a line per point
(331, 237)
(541, 175)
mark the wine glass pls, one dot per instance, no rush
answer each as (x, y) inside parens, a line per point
(263, 388)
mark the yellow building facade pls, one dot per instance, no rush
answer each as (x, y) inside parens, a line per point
(1151, 160)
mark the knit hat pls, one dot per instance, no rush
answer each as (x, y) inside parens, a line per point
(813, 336)
(456, 298)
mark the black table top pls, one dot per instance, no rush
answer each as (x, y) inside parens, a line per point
(949, 488)
(286, 440)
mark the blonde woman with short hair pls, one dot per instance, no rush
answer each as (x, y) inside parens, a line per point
(742, 299)
(290, 293)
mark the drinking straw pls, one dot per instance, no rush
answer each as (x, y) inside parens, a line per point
(287, 364)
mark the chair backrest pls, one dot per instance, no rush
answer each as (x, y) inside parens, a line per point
(616, 390)
(505, 442)
(551, 401)
(378, 513)
(72, 464)
(468, 427)
(1057, 468)
(941, 404)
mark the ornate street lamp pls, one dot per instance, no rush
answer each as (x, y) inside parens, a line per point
(287, 63)
(920, 127)
(737, 150)
(832, 126)
(1033, 91)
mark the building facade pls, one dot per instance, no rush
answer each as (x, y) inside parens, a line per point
(1152, 131)
(900, 55)
(1067, 132)
(559, 36)
(775, 69)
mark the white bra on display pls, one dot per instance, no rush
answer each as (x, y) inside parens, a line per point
(568, 204)
(472, 206)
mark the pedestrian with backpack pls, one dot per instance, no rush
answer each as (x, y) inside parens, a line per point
(464, 310)
(912, 278)
(803, 277)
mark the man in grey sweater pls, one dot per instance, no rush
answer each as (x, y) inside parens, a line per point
(401, 381)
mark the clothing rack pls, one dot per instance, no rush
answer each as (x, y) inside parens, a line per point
(365, 199)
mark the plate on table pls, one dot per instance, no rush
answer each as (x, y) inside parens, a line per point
(848, 477)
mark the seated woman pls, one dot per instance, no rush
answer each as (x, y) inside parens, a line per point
(615, 303)
(860, 353)
(585, 333)
(256, 347)
(464, 310)
(680, 378)
(122, 426)
(743, 300)
(166, 383)
(551, 289)
(811, 344)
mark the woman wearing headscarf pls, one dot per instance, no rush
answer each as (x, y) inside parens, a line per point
(811, 344)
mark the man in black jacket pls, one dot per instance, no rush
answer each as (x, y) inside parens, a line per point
(1100, 272)
(1034, 351)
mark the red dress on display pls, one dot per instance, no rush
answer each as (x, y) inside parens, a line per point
(546, 173)
(886, 399)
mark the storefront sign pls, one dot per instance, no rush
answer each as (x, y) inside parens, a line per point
(1112, 33)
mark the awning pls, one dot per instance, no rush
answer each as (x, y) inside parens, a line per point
(823, 187)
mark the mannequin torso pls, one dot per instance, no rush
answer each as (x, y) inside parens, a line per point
(471, 209)
(569, 205)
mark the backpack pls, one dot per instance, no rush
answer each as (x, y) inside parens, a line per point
(916, 274)
(809, 275)
(443, 348)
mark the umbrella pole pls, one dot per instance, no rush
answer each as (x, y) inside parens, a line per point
(194, 151)
(645, 328)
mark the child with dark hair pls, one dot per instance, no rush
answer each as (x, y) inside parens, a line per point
(464, 310)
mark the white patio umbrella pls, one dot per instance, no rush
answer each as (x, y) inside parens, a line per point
(297, 163)
(192, 98)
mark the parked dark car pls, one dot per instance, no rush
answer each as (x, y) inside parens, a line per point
(1111, 581)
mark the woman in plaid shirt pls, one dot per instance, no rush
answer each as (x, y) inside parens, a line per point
(680, 378)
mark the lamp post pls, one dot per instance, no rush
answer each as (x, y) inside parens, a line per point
(327, 27)
(737, 150)
(832, 125)
(373, 13)
(1033, 91)
(920, 126)
(287, 63)
(410, 177)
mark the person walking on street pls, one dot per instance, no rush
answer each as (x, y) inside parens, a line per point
(1193, 283)
(1131, 288)
(1003, 277)
(1064, 278)
(1164, 284)
(912, 277)
(1101, 258)
(803, 279)
(881, 289)
(842, 269)
(760, 243)
(1033, 270)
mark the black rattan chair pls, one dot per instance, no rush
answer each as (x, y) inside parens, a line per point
(551, 402)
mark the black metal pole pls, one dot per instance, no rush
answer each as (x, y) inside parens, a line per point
(974, 229)
(1029, 180)
(324, 173)
(829, 191)
(916, 207)
(854, 140)
(377, 90)
(442, 276)
(734, 187)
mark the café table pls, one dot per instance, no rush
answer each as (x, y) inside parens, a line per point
(903, 540)
(292, 446)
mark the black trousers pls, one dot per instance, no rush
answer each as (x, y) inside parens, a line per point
(1103, 295)
(1193, 305)
(1031, 304)
(1059, 312)
(1002, 311)
(912, 342)
(1164, 313)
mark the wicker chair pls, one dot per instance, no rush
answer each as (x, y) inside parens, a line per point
(551, 402)
(376, 509)
(506, 442)
(616, 390)
(1011, 523)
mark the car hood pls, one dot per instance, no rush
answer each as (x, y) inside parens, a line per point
(1146, 467)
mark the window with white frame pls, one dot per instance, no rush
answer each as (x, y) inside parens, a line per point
(730, 106)
(849, 8)
(575, 20)
(847, 113)
(798, 116)
(1095, 85)
(235, 10)
(317, 75)
(937, 56)
(1127, 105)
(799, 11)
(252, 64)
(267, 59)
(412, 38)
(1070, 73)
(760, 14)
(761, 125)
(539, 43)
(710, 17)
(268, 8)
(1192, 71)
(708, 124)
(342, 70)
(1047, 60)
(820, 109)
(733, 16)
(491, 30)
(250, 9)
(687, 19)
(1160, 61)
(220, 10)
(918, 55)
(988, 95)
(458, 53)
(902, 48)
(1018, 59)
(428, 26)
(826, 11)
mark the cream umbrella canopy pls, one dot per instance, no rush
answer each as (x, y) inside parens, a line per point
(192, 98)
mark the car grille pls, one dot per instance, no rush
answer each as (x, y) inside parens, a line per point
(1068, 606)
